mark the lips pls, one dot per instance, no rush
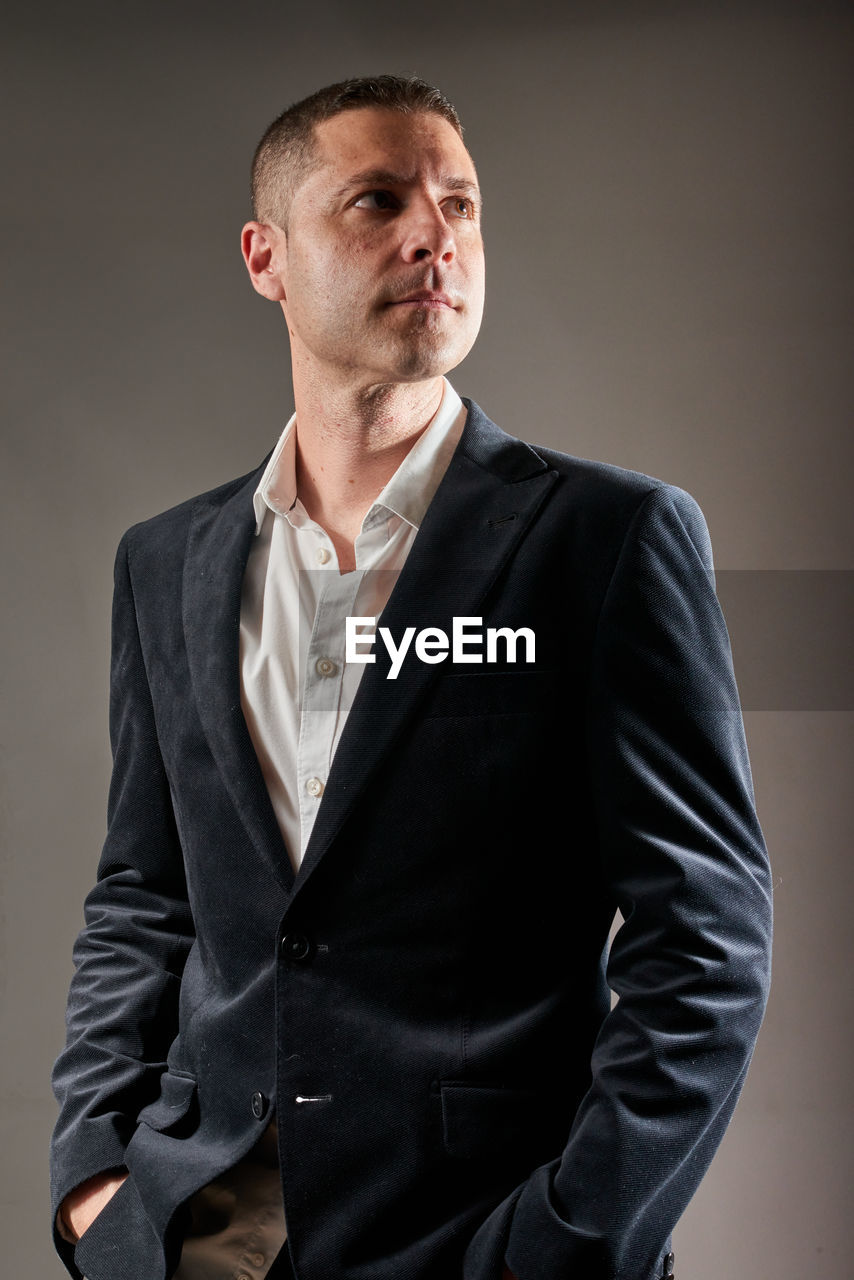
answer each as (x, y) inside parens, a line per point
(427, 298)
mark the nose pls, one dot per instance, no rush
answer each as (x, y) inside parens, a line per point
(428, 237)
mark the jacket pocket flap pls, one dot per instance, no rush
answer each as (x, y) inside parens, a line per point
(481, 1120)
(176, 1097)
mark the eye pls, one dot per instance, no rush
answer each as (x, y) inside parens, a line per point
(462, 207)
(377, 200)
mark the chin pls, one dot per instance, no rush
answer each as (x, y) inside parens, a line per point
(429, 360)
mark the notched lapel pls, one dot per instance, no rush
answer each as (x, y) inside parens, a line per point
(490, 493)
(218, 547)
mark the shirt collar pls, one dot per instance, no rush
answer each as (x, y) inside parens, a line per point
(409, 491)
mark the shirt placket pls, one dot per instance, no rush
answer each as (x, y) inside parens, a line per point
(321, 691)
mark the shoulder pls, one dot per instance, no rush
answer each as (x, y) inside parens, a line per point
(173, 519)
(603, 501)
(600, 481)
(168, 524)
(615, 509)
(160, 541)
(606, 487)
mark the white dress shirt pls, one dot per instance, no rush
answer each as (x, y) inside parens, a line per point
(296, 688)
(296, 692)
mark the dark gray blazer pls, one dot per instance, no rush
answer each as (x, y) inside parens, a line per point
(436, 972)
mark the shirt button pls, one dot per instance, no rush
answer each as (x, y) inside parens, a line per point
(324, 555)
(325, 667)
(314, 787)
(257, 1259)
(259, 1106)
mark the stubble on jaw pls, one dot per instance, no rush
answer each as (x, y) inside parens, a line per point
(427, 346)
(419, 345)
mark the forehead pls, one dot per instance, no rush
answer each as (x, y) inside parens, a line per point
(422, 144)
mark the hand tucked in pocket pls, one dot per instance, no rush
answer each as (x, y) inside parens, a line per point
(81, 1206)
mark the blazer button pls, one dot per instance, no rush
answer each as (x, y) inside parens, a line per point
(296, 947)
(667, 1270)
(259, 1105)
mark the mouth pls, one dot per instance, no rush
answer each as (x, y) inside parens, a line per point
(428, 299)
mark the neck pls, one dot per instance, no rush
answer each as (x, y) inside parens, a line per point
(349, 444)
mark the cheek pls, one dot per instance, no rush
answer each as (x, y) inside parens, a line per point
(316, 285)
(478, 264)
(345, 273)
(476, 278)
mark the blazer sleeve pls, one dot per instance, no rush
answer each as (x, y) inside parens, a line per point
(681, 848)
(123, 1003)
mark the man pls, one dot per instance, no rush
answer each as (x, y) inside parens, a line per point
(399, 721)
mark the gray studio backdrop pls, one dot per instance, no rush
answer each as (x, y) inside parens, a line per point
(668, 211)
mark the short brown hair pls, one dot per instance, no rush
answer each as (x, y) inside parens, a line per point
(285, 154)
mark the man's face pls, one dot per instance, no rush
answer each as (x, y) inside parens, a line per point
(382, 267)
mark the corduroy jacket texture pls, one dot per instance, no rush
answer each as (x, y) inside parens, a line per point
(436, 976)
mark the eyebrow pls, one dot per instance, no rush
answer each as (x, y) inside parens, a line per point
(388, 178)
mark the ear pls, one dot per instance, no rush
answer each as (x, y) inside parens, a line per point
(264, 249)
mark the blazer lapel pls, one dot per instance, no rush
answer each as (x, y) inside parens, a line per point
(218, 547)
(491, 491)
